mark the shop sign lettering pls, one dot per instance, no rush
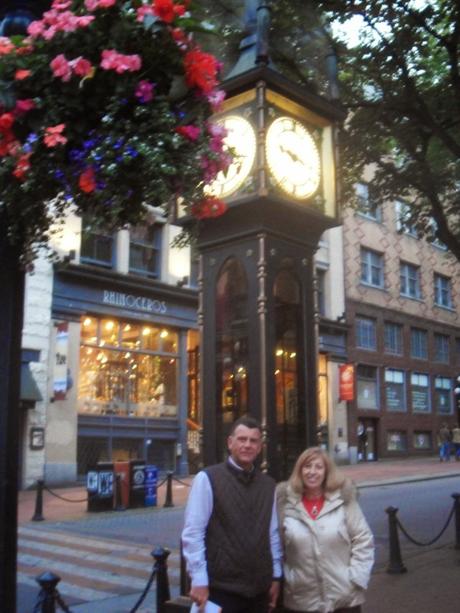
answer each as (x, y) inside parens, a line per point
(139, 303)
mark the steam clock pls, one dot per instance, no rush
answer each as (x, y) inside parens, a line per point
(257, 308)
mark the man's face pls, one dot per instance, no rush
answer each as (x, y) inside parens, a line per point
(245, 445)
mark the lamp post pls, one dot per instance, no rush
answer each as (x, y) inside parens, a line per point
(15, 16)
(457, 399)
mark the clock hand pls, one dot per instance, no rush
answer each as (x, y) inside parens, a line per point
(294, 157)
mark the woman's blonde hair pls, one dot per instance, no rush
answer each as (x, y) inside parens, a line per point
(333, 479)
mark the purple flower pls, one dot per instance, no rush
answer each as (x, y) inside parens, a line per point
(144, 91)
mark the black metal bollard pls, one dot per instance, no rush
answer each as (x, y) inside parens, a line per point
(169, 500)
(119, 506)
(395, 565)
(161, 556)
(38, 515)
(46, 602)
(456, 498)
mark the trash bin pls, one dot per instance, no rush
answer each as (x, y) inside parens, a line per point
(124, 470)
(99, 485)
(137, 478)
(151, 481)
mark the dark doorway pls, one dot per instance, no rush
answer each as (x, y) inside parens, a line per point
(367, 440)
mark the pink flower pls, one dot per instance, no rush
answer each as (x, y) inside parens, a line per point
(93, 5)
(144, 91)
(6, 46)
(81, 67)
(190, 132)
(23, 106)
(53, 135)
(143, 11)
(112, 60)
(61, 67)
(216, 98)
(36, 29)
(61, 5)
(22, 74)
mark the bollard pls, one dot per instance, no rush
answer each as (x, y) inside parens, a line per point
(456, 498)
(38, 515)
(46, 602)
(395, 565)
(161, 556)
(119, 506)
(168, 500)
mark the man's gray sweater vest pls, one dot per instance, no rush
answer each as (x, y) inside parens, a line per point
(238, 534)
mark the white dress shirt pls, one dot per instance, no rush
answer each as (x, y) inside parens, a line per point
(197, 514)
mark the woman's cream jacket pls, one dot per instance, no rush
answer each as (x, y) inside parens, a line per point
(327, 561)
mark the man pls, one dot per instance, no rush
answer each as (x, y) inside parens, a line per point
(444, 442)
(456, 441)
(230, 539)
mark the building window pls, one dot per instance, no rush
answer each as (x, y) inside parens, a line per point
(422, 440)
(396, 440)
(367, 387)
(441, 348)
(410, 280)
(321, 291)
(145, 249)
(127, 369)
(394, 390)
(371, 268)
(97, 246)
(420, 393)
(366, 203)
(366, 337)
(442, 291)
(393, 338)
(443, 395)
(419, 343)
(403, 215)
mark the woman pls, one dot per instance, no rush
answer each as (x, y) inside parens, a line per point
(328, 546)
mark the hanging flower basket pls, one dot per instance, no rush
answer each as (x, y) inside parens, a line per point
(105, 107)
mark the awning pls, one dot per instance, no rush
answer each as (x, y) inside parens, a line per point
(29, 388)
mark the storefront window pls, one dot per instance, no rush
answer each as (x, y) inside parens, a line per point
(443, 395)
(420, 393)
(394, 390)
(422, 440)
(367, 387)
(396, 440)
(122, 376)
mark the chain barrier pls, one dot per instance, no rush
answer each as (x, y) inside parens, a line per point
(146, 590)
(62, 497)
(420, 544)
(181, 482)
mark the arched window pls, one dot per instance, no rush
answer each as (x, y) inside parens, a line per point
(232, 346)
(289, 366)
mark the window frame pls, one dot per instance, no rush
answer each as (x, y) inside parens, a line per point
(398, 338)
(371, 261)
(441, 354)
(443, 388)
(410, 280)
(440, 291)
(152, 245)
(366, 327)
(422, 334)
(367, 207)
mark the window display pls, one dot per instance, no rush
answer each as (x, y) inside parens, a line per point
(127, 369)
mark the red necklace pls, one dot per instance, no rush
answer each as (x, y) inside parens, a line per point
(313, 506)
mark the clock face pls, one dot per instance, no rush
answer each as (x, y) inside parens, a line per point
(293, 157)
(241, 139)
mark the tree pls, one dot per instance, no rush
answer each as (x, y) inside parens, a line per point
(401, 85)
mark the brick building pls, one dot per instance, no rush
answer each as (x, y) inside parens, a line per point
(402, 311)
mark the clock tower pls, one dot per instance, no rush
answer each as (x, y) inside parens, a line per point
(257, 302)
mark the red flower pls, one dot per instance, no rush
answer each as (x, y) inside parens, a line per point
(22, 166)
(190, 132)
(87, 181)
(209, 208)
(22, 106)
(164, 10)
(201, 70)
(6, 122)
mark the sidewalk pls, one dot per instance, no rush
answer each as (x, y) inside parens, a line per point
(431, 583)
(367, 474)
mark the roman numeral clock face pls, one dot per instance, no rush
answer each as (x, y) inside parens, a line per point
(293, 158)
(241, 139)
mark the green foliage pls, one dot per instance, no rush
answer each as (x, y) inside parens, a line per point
(115, 148)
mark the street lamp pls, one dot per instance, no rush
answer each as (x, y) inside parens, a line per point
(457, 399)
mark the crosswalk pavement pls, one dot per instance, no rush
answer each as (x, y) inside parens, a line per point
(91, 569)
